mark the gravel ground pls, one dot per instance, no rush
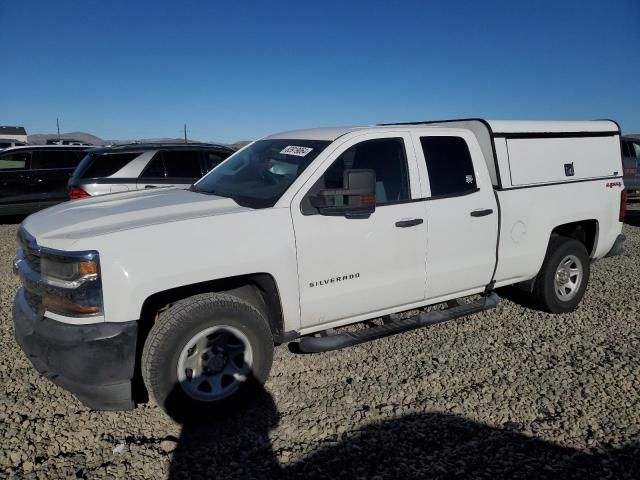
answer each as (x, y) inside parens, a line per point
(512, 393)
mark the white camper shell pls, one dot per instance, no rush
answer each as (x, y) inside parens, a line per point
(526, 153)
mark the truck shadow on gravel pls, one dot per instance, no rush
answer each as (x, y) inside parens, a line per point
(519, 297)
(237, 444)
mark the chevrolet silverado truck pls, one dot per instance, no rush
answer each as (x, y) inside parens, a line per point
(180, 295)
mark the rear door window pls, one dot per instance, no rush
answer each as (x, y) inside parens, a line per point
(181, 164)
(106, 164)
(15, 161)
(449, 166)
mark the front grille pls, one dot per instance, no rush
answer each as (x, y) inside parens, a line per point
(33, 300)
(30, 275)
(33, 261)
(29, 250)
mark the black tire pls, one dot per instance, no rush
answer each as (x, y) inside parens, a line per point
(182, 322)
(545, 294)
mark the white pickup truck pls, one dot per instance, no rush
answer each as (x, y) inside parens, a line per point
(181, 294)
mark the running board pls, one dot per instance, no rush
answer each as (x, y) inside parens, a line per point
(334, 342)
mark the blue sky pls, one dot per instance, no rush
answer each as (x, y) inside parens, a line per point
(237, 70)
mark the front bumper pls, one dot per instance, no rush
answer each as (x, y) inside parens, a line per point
(618, 246)
(94, 362)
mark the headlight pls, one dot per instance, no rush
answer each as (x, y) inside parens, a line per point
(67, 272)
(72, 284)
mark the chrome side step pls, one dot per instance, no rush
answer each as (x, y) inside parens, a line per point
(334, 342)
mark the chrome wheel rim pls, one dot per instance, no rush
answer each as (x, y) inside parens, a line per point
(214, 363)
(568, 277)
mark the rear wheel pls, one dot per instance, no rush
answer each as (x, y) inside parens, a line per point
(205, 352)
(562, 281)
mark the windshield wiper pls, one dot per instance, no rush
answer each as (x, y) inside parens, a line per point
(192, 188)
(240, 200)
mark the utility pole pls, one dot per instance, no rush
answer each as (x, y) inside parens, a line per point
(185, 133)
(58, 125)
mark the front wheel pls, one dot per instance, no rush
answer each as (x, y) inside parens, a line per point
(204, 352)
(563, 279)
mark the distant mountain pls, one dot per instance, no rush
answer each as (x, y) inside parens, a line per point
(238, 145)
(41, 139)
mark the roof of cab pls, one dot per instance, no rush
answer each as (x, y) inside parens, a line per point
(326, 133)
(497, 126)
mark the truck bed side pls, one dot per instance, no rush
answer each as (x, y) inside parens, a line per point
(529, 216)
(554, 181)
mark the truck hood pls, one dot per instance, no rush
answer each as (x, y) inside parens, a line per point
(59, 226)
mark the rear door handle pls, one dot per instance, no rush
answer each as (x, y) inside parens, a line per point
(482, 212)
(150, 186)
(409, 223)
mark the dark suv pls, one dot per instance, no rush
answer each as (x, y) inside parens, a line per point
(142, 166)
(631, 161)
(35, 177)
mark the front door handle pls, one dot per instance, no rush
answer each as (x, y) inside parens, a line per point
(150, 186)
(482, 212)
(409, 223)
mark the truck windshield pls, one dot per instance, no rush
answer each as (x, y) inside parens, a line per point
(259, 175)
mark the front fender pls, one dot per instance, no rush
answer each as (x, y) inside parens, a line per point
(141, 262)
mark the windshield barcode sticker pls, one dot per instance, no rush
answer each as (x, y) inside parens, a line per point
(297, 151)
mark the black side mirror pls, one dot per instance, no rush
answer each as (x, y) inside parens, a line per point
(357, 198)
